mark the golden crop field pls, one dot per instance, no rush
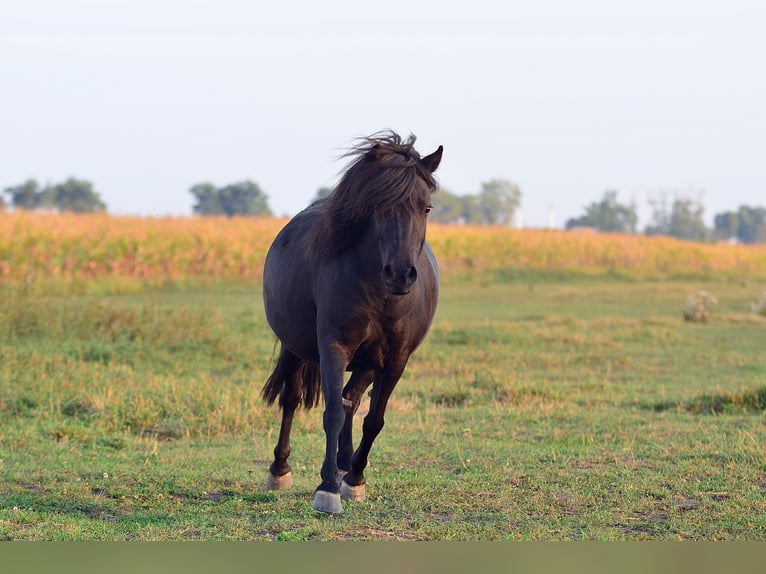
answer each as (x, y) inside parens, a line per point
(42, 246)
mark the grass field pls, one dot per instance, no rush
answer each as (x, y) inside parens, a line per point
(542, 409)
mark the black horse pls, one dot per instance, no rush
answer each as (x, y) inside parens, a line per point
(350, 284)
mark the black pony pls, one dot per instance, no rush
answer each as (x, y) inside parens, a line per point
(350, 284)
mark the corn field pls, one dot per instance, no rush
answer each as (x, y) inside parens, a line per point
(69, 247)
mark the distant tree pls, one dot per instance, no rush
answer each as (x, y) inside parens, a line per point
(660, 218)
(472, 210)
(496, 204)
(686, 220)
(498, 201)
(607, 215)
(25, 196)
(243, 198)
(76, 195)
(747, 224)
(208, 202)
(752, 224)
(725, 225)
(47, 198)
(447, 207)
(683, 220)
(2, 204)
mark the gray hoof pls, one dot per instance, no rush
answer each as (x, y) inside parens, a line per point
(327, 502)
(279, 482)
(348, 492)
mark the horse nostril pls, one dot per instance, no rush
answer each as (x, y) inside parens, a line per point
(399, 279)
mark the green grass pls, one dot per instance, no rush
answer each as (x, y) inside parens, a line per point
(548, 411)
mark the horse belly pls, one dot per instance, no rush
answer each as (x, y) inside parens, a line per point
(288, 300)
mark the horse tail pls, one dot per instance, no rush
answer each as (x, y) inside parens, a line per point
(308, 376)
(311, 389)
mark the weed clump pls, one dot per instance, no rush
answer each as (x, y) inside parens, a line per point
(699, 307)
(759, 307)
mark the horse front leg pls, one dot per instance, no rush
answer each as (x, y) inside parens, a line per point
(332, 361)
(354, 485)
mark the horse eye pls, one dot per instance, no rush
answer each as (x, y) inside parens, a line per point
(428, 210)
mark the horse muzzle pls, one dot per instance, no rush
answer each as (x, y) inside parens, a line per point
(399, 279)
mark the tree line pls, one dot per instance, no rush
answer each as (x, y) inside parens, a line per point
(678, 216)
(497, 203)
(80, 196)
(75, 195)
(494, 205)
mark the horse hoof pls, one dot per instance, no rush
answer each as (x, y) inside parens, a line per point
(327, 502)
(348, 492)
(279, 482)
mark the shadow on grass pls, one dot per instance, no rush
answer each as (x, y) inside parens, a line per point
(749, 401)
(95, 510)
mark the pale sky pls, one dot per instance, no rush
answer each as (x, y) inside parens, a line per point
(146, 98)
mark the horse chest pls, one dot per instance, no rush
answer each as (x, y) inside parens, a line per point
(368, 358)
(380, 344)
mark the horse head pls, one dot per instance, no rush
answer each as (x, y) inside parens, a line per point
(400, 229)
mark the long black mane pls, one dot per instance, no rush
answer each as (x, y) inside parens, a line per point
(383, 175)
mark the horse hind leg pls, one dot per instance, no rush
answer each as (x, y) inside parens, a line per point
(286, 375)
(357, 492)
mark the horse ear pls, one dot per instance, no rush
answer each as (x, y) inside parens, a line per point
(432, 161)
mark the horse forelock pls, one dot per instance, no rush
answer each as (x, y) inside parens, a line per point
(383, 175)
